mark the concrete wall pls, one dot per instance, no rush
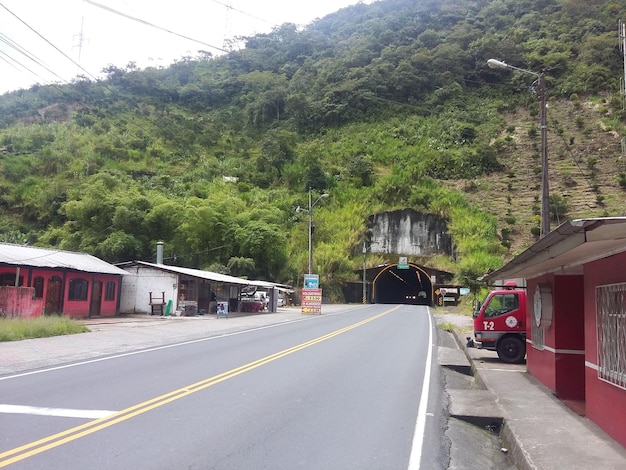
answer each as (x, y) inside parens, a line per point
(20, 302)
(560, 364)
(137, 285)
(540, 362)
(605, 402)
(408, 232)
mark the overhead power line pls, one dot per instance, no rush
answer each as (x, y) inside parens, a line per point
(139, 20)
(230, 7)
(50, 44)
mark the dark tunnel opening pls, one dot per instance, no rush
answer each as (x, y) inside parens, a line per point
(403, 286)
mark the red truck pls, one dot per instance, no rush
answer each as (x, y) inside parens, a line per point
(500, 323)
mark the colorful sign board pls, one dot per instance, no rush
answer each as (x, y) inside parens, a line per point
(312, 301)
(222, 309)
(311, 281)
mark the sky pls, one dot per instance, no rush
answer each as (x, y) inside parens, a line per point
(53, 41)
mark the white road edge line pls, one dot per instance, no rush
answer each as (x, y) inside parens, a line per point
(420, 423)
(155, 348)
(60, 412)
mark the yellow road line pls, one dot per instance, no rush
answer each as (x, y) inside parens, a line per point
(36, 447)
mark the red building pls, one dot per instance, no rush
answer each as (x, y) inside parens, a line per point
(576, 316)
(41, 281)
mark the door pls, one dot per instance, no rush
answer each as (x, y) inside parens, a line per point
(96, 299)
(54, 294)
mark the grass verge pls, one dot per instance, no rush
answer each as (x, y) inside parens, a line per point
(446, 326)
(15, 329)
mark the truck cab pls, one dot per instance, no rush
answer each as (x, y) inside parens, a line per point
(500, 323)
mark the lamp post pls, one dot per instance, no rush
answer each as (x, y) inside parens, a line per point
(311, 205)
(364, 274)
(545, 192)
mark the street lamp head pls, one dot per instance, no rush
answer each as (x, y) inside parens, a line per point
(321, 196)
(497, 64)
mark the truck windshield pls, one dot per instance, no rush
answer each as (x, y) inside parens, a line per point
(500, 304)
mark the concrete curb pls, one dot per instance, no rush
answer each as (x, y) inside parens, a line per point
(507, 435)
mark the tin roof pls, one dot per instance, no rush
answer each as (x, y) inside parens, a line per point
(567, 248)
(198, 273)
(35, 257)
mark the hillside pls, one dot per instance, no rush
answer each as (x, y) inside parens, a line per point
(382, 106)
(585, 162)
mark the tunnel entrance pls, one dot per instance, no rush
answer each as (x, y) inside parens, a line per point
(403, 286)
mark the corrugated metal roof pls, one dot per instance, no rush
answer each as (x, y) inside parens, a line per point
(208, 275)
(31, 256)
(567, 248)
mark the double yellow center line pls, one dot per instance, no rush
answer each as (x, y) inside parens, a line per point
(36, 447)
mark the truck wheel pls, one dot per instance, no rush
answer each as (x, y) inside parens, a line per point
(511, 350)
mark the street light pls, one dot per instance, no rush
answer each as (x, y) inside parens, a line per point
(545, 191)
(310, 211)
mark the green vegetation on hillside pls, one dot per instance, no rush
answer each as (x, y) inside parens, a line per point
(383, 106)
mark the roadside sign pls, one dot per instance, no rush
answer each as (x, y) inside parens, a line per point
(312, 301)
(403, 263)
(311, 281)
(222, 309)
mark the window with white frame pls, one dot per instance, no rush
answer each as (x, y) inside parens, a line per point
(611, 331)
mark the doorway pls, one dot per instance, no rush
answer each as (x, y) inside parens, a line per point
(54, 294)
(96, 299)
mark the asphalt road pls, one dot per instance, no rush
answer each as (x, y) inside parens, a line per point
(348, 390)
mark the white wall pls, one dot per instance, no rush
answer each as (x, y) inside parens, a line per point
(142, 280)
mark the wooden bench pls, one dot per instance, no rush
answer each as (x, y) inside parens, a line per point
(157, 304)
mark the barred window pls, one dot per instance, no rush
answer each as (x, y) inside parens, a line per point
(38, 285)
(8, 279)
(611, 331)
(109, 292)
(78, 289)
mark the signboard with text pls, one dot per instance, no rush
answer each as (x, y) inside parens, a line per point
(312, 301)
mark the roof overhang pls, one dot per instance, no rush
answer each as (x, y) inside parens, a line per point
(200, 274)
(51, 258)
(566, 249)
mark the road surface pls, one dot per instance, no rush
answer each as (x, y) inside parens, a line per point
(354, 389)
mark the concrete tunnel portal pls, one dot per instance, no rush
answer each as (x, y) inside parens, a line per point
(411, 285)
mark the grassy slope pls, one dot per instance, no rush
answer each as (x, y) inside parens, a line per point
(585, 135)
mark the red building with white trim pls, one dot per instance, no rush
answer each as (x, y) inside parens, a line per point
(42, 281)
(576, 316)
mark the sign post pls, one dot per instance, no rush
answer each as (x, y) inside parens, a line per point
(311, 295)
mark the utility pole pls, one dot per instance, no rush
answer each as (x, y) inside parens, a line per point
(545, 191)
(621, 33)
(81, 39)
(364, 274)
